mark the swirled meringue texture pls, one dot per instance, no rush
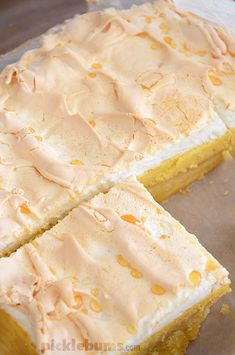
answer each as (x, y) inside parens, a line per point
(116, 270)
(110, 94)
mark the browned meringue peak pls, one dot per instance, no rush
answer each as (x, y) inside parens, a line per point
(162, 26)
(103, 94)
(122, 48)
(112, 270)
(212, 46)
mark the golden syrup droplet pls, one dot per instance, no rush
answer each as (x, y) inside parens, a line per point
(148, 19)
(31, 130)
(92, 123)
(78, 300)
(155, 46)
(158, 290)
(91, 75)
(195, 277)
(24, 208)
(136, 273)
(95, 306)
(84, 311)
(131, 329)
(164, 236)
(122, 261)
(164, 26)
(76, 162)
(211, 265)
(215, 80)
(129, 218)
(168, 39)
(202, 53)
(172, 45)
(39, 138)
(95, 292)
(141, 34)
(96, 66)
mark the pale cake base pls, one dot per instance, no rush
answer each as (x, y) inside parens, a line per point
(178, 172)
(164, 189)
(171, 340)
(27, 238)
(13, 339)
(175, 337)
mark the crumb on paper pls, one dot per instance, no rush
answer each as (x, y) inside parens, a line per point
(185, 191)
(225, 193)
(211, 182)
(225, 309)
(227, 155)
(225, 180)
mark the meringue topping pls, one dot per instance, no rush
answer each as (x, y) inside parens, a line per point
(104, 97)
(100, 279)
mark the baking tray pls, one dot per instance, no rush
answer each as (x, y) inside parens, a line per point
(207, 207)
